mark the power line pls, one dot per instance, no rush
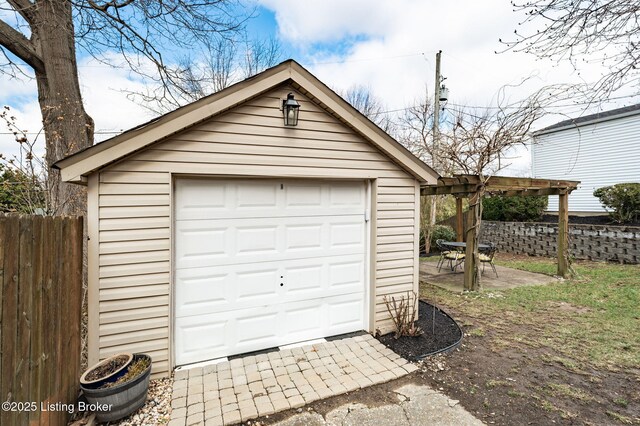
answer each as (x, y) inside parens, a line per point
(101, 132)
(550, 106)
(505, 107)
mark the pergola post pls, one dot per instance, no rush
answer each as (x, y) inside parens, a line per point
(459, 220)
(470, 282)
(563, 235)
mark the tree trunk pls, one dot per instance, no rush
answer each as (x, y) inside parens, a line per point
(433, 205)
(67, 127)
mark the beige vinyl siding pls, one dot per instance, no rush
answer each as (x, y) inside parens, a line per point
(135, 209)
(134, 258)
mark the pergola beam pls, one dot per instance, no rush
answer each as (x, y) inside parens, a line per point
(467, 185)
(462, 189)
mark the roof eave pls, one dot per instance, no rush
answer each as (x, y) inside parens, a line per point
(77, 167)
(553, 129)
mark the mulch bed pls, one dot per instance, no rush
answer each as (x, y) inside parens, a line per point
(440, 332)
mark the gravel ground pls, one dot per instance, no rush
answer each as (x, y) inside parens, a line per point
(157, 409)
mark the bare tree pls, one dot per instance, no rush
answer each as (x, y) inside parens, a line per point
(479, 140)
(24, 184)
(416, 128)
(45, 35)
(221, 63)
(362, 98)
(416, 132)
(599, 31)
(260, 55)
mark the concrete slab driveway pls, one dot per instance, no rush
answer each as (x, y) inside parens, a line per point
(245, 388)
(417, 406)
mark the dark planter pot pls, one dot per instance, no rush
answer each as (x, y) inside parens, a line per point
(124, 398)
(93, 384)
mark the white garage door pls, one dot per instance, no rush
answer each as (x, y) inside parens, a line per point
(263, 263)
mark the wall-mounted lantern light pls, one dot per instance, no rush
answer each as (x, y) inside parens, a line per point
(290, 109)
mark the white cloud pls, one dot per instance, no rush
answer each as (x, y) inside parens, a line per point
(104, 94)
(330, 20)
(104, 90)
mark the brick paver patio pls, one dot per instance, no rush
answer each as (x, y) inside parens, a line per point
(245, 388)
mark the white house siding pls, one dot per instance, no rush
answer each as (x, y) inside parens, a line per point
(250, 140)
(598, 155)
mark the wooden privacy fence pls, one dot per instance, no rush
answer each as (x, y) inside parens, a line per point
(40, 314)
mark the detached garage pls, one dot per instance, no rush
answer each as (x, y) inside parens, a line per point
(221, 228)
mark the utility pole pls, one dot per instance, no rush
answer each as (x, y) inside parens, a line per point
(433, 202)
(436, 113)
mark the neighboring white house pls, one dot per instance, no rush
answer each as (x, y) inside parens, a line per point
(598, 150)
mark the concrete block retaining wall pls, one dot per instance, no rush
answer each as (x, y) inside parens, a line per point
(592, 242)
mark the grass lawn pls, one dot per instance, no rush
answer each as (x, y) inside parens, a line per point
(570, 349)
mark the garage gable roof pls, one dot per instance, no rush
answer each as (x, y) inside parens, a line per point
(76, 167)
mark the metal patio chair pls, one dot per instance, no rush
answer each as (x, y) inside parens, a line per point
(454, 257)
(488, 256)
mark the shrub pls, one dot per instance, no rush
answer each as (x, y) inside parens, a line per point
(439, 232)
(19, 193)
(514, 209)
(623, 199)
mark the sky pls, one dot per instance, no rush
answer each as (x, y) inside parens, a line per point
(387, 46)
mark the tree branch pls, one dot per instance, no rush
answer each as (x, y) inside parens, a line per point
(23, 7)
(16, 43)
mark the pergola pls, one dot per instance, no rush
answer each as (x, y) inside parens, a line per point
(473, 187)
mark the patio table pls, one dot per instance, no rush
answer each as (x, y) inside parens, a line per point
(462, 245)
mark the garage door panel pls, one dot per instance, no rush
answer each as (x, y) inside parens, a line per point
(254, 240)
(347, 195)
(252, 329)
(198, 245)
(345, 274)
(260, 264)
(202, 291)
(197, 338)
(297, 195)
(198, 198)
(304, 237)
(228, 333)
(254, 197)
(303, 321)
(254, 287)
(345, 314)
(304, 279)
(312, 278)
(202, 199)
(349, 234)
(232, 287)
(266, 239)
